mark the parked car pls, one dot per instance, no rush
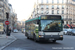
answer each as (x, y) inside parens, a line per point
(65, 31)
(69, 31)
(73, 32)
(15, 31)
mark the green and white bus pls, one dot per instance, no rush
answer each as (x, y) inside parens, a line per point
(45, 27)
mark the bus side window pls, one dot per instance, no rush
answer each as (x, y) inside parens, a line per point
(63, 21)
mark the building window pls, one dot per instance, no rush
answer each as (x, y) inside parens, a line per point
(42, 6)
(62, 11)
(62, 1)
(63, 17)
(57, 11)
(41, 1)
(57, 6)
(52, 6)
(37, 12)
(47, 1)
(47, 6)
(66, 16)
(41, 12)
(70, 22)
(67, 22)
(62, 6)
(52, 1)
(57, 1)
(47, 12)
(52, 11)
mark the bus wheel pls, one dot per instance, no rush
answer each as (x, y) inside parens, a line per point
(54, 41)
(27, 37)
(35, 38)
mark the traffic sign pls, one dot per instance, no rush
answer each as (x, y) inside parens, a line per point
(7, 22)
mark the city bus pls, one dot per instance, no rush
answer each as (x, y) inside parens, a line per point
(45, 27)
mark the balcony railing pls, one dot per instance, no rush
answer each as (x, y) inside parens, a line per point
(70, 18)
(57, 13)
(62, 8)
(41, 13)
(52, 13)
(37, 8)
(52, 8)
(67, 19)
(62, 13)
(66, 8)
(42, 8)
(57, 8)
(73, 19)
(47, 8)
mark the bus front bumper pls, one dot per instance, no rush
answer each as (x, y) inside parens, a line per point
(51, 37)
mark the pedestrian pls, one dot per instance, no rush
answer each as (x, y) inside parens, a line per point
(9, 32)
(4, 31)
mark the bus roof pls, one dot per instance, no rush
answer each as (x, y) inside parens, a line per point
(32, 19)
(39, 18)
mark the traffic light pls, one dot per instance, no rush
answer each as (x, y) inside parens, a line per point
(7, 15)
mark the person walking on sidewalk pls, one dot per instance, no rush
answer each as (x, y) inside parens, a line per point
(9, 32)
(4, 31)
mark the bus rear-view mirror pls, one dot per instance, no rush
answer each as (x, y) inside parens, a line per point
(63, 21)
(37, 21)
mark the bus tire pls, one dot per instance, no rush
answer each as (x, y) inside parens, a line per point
(35, 38)
(27, 37)
(54, 41)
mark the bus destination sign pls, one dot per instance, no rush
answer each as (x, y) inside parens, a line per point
(50, 17)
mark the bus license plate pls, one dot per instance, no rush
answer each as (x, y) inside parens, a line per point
(51, 39)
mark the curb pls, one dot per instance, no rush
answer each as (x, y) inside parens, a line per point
(8, 43)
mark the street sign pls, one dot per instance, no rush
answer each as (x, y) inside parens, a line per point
(7, 22)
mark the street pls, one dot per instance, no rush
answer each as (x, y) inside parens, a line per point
(40, 20)
(22, 43)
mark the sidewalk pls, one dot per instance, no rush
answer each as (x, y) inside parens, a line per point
(6, 41)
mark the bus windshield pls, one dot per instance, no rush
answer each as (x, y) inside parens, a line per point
(51, 25)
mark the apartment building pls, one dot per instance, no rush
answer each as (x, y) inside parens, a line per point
(65, 8)
(5, 7)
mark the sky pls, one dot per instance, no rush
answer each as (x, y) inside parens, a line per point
(23, 8)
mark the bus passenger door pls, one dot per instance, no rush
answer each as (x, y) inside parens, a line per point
(36, 30)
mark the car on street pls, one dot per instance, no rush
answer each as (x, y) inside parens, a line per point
(69, 31)
(15, 31)
(65, 31)
(73, 32)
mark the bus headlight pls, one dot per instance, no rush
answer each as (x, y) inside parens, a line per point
(61, 33)
(41, 33)
(61, 36)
